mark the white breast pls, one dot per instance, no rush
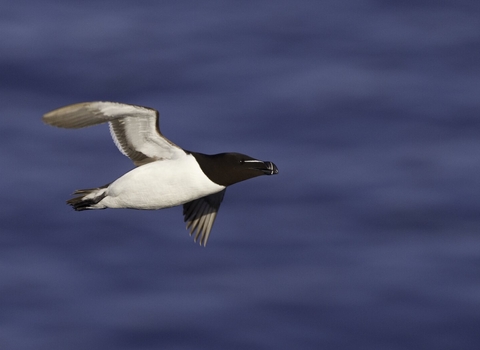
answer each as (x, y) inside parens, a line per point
(160, 184)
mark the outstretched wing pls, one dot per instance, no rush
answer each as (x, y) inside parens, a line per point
(200, 215)
(134, 129)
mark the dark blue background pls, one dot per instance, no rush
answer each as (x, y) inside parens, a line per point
(367, 239)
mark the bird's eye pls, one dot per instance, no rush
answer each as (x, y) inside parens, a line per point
(242, 161)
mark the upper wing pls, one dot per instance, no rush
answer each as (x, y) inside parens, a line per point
(200, 215)
(134, 129)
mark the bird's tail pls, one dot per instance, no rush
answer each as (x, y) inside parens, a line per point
(88, 199)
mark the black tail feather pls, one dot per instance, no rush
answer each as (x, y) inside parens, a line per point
(79, 203)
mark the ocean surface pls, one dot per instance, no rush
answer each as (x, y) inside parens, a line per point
(368, 238)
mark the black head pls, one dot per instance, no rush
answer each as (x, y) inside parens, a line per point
(229, 168)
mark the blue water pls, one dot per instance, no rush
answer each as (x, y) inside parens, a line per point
(369, 238)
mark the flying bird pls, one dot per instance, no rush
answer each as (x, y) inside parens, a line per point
(165, 174)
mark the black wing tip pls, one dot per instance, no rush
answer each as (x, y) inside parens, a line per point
(200, 215)
(197, 230)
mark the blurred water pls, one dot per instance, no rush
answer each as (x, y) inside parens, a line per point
(368, 237)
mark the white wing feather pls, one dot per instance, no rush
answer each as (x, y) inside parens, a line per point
(134, 129)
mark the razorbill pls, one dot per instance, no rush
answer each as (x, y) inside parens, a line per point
(165, 174)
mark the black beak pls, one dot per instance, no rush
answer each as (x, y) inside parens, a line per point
(270, 168)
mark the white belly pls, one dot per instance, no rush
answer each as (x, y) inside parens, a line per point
(160, 184)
